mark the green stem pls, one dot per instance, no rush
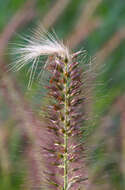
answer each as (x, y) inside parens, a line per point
(66, 118)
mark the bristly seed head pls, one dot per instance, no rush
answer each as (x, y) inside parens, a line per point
(61, 152)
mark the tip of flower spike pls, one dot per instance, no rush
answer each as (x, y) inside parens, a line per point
(35, 47)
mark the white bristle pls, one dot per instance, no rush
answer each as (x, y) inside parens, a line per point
(37, 46)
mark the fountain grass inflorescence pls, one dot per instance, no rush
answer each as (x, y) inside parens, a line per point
(64, 152)
(62, 148)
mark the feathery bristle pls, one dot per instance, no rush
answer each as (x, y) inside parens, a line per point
(35, 47)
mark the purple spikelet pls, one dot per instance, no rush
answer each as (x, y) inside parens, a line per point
(64, 152)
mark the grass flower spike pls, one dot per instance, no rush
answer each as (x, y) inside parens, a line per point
(62, 150)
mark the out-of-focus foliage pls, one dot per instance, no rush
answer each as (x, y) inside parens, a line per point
(106, 127)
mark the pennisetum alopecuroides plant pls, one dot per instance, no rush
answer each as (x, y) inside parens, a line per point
(62, 149)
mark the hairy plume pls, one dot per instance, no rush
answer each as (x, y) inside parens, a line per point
(30, 51)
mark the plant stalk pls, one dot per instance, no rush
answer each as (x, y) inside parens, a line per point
(66, 119)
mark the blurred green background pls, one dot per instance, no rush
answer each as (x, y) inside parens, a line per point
(98, 26)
